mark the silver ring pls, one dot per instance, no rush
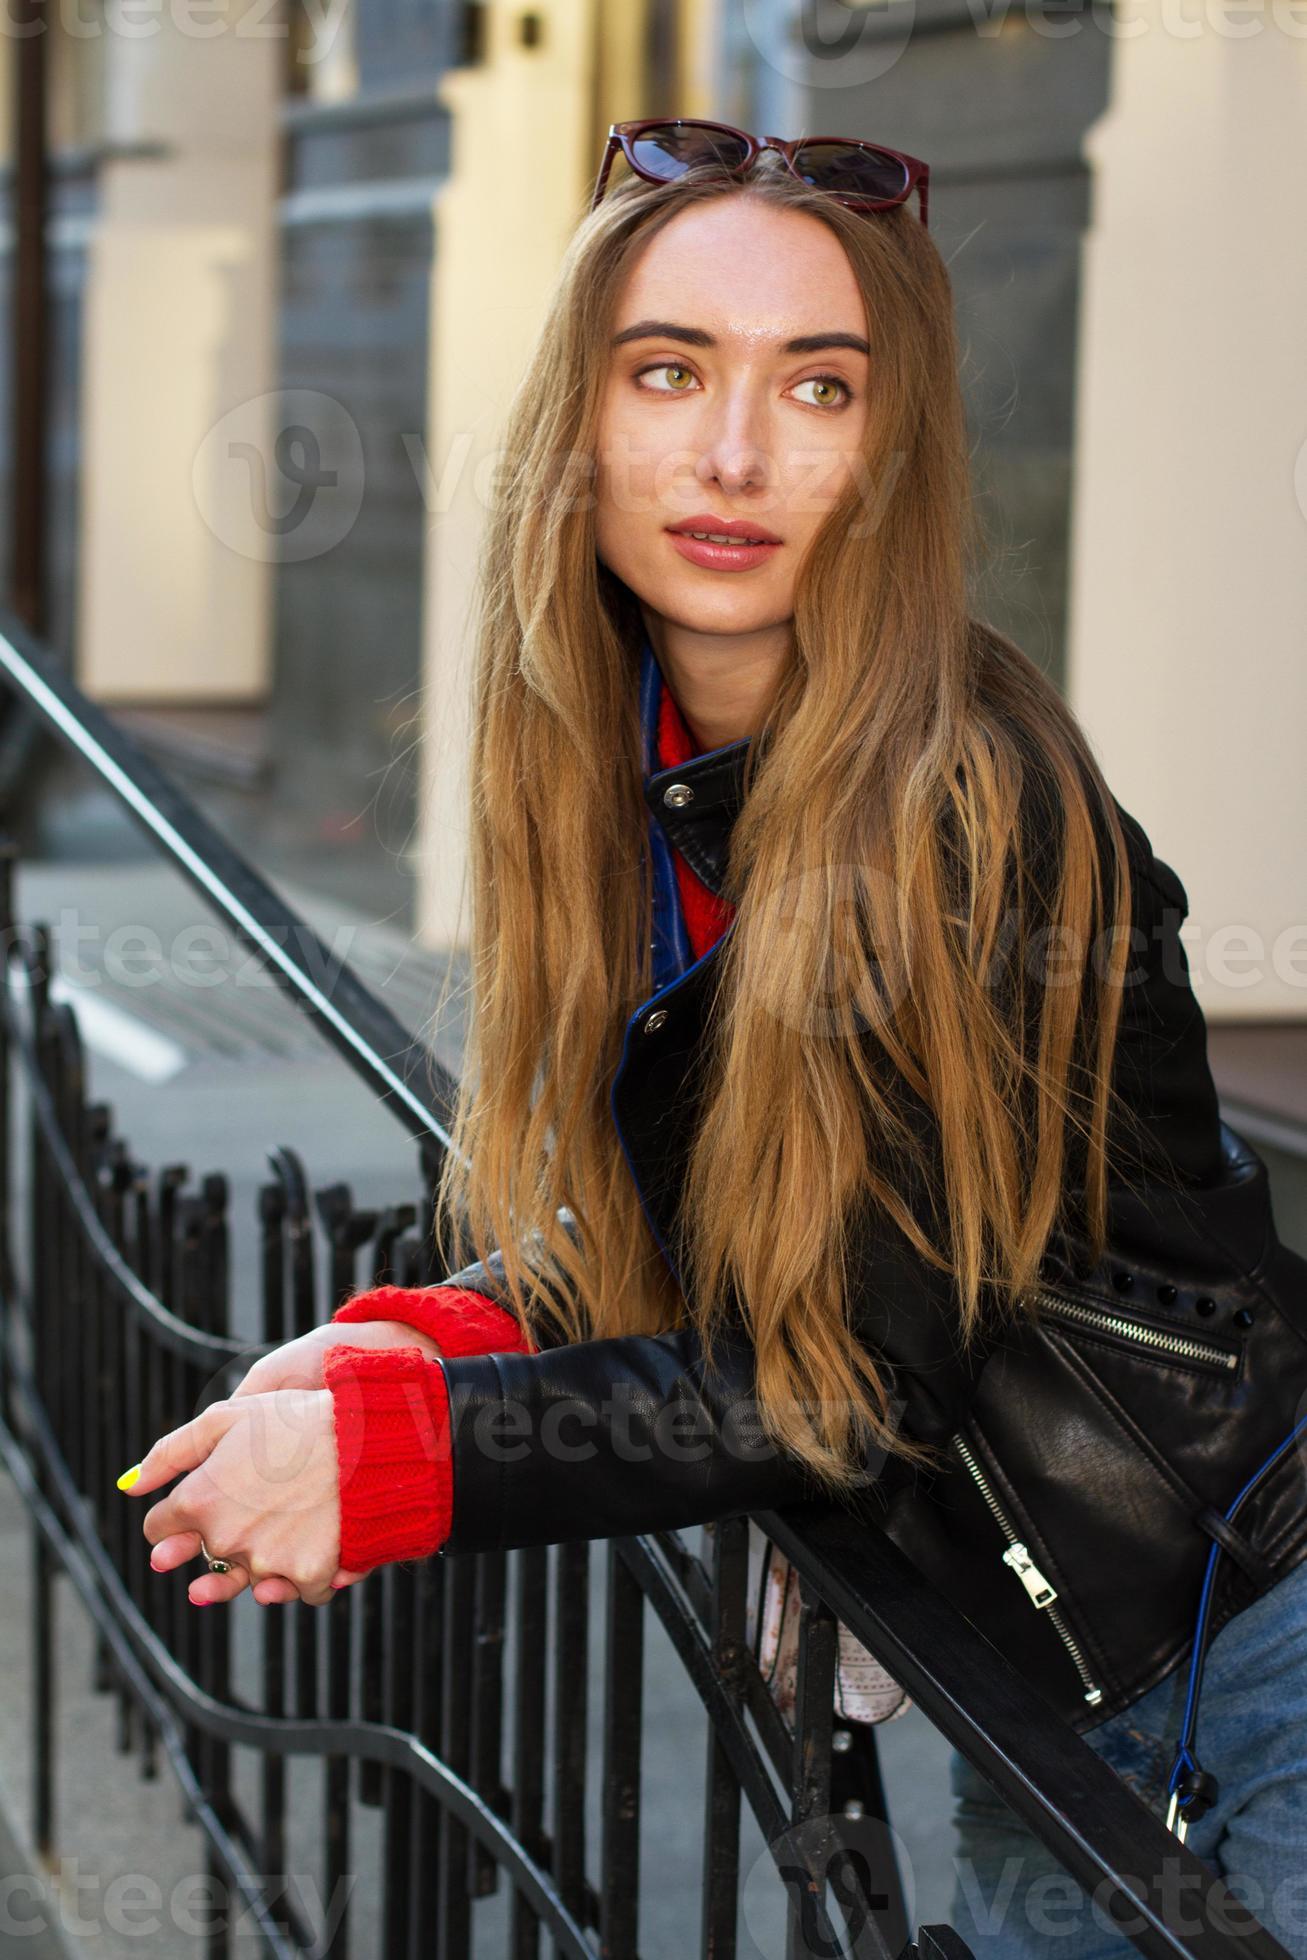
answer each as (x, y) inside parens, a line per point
(214, 1564)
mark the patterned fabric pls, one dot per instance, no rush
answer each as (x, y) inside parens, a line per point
(864, 1690)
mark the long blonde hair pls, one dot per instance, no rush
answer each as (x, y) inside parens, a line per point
(889, 880)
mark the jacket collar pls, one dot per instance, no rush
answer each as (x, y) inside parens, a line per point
(695, 803)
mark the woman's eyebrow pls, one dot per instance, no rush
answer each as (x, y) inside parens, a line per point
(804, 343)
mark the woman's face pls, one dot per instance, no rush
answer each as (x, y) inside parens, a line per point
(736, 390)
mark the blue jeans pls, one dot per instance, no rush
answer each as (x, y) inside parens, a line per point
(1013, 1900)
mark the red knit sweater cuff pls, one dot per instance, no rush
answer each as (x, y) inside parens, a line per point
(459, 1320)
(391, 1408)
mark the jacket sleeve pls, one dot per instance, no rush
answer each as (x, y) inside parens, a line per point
(590, 1439)
(636, 1433)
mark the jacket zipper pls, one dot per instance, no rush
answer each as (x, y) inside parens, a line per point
(1101, 1319)
(1017, 1556)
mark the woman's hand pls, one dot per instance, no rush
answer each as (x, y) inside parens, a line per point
(262, 1486)
(295, 1364)
(298, 1363)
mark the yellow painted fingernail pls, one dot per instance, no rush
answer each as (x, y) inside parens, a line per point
(129, 1477)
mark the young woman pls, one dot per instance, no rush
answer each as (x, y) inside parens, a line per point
(837, 1115)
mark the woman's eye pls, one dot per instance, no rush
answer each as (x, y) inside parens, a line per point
(828, 383)
(832, 391)
(668, 367)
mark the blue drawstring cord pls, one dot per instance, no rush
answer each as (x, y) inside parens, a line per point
(1190, 1787)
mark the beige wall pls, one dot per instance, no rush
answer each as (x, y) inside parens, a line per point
(502, 223)
(1188, 636)
(175, 568)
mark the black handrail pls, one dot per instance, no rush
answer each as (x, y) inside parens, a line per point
(364, 1031)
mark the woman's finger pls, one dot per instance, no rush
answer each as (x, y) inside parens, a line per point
(250, 1383)
(282, 1592)
(184, 1546)
(319, 1595)
(180, 1450)
(274, 1592)
(178, 1549)
(217, 1588)
(295, 1364)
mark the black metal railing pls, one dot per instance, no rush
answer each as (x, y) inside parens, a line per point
(444, 1709)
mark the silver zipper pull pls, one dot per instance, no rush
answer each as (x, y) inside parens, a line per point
(1029, 1574)
(1180, 1826)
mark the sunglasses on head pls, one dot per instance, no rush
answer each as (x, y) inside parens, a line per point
(865, 176)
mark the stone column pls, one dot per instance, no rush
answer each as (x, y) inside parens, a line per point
(1188, 614)
(177, 512)
(502, 222)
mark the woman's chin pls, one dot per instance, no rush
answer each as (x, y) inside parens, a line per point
(695, 610)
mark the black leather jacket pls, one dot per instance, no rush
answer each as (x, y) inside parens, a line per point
(1089, 1456)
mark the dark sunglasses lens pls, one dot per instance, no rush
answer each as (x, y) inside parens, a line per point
(851, 171)
(670, 149)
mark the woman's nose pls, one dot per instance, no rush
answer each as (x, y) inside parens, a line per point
(734, 453)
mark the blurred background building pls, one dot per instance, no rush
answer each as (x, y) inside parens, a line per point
(293, 261)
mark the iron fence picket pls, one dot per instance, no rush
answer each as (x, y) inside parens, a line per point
(623, 1729)
(530, 1625)
(274, 1627)
(571, 1621)
(721, 1852)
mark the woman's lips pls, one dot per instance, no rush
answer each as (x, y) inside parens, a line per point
(721, 557)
